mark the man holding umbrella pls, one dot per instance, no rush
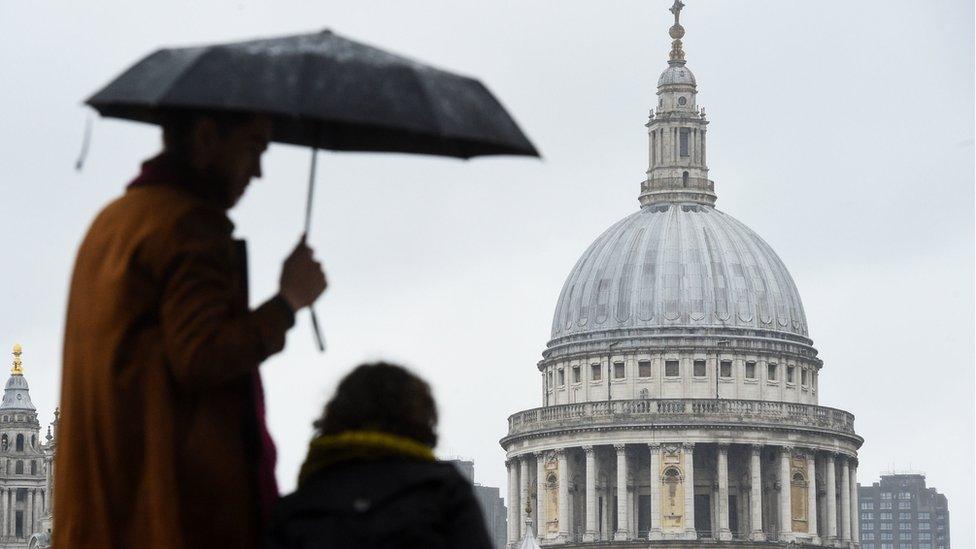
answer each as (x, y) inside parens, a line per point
(162, 440)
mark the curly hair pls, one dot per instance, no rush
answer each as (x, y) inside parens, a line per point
(381, 397)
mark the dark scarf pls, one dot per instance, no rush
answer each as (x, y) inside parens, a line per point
(328, 450)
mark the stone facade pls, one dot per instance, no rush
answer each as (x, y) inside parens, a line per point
(901, 512)
(680, 402)
(26, 467)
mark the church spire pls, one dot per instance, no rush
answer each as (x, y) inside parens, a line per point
(677, 172)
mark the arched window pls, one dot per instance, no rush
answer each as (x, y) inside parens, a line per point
(33, 467)
(19, 468)
(4, 442)
(33, 441)
(684, 179)
(20, 443)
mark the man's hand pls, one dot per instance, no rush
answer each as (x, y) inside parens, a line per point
(302, 279)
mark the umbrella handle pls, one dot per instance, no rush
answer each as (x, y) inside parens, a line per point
(316, 331)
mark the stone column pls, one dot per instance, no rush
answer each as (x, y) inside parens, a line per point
(3, 512)
(540, 495)
(513, 504)
(845, 500)
(523, 492)
(723, 493)
(621, 533)
(591, 512)
(785, 510)
(29, 514)
(688, 452)
(11, 512)
(855, 510)
(655, 532)
(812, 495)
(563, 495)
(831, 497)
(755, 496)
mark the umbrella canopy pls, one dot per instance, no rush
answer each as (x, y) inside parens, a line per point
(324, 91)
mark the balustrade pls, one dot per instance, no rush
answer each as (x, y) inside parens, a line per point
(681, 410)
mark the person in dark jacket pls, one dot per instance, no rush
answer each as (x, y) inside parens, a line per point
(370, 480)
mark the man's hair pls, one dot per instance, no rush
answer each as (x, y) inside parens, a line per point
(382, 397)
(178, 125)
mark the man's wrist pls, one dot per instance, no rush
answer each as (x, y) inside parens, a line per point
(291, 304)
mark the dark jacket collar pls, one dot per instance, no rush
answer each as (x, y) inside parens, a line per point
(168, 170)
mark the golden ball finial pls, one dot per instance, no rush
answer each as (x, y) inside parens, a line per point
(18, 368)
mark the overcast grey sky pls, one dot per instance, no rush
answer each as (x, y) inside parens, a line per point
(841, 132)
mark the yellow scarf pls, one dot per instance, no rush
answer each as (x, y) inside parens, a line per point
(327, 450)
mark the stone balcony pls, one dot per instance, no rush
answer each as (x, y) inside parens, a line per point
(682, 412)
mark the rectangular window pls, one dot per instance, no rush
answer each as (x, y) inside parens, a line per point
(904, 505)
(644, 368)
(725, 368)
(549, 380)
(576, 374)
(885, 535)
(904, 516)
(868, 536)
(905, 526)
(867, 516)
(803, 377)
(699, 368)
(771, 372)
(905, 536)
(923, 516)
(750, 370)
(886, 526)
(924, 535)
(596, 372)
(924, 526)
(867, 546)
(885, 505)
(671, 368)
(904, 495)
(924, 546)
(618, 370)
(684, 141)
(789, 374)
(885, 495)
(867, 526)
(562, 377)
(885, 516)
(867, 505)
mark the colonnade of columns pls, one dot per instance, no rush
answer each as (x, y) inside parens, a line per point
(684, 491)
(30, 509)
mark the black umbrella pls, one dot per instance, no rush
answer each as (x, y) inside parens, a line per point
(323, 91)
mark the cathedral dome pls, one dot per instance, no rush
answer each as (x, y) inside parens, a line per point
(16, 396)
(676, 74)
(678, 265)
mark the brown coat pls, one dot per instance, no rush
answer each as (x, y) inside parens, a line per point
(159, 440)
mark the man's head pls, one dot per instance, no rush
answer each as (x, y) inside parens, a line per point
(223, 149)
(382, 397)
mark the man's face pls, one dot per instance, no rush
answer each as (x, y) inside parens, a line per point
(235, 154)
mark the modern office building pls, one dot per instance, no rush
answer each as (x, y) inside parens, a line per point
(900, 512)
(492, 504)
(680, 386)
